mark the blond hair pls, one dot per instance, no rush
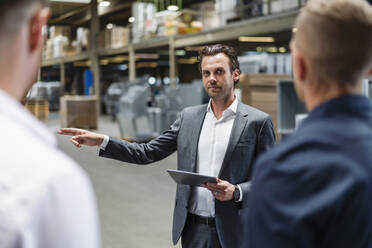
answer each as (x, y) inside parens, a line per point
(336, 35)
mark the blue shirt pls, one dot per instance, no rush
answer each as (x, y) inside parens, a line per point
(315, 188)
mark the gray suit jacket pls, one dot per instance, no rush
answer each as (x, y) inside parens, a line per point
(251, 135)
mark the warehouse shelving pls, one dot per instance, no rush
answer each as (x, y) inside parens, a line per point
(256, 26)
(62, 60)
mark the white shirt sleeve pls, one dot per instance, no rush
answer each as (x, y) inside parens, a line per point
(241, 193)
(106, 139)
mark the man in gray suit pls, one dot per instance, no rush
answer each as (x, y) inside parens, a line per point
(222, 139)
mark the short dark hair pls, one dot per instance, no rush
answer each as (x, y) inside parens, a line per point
(220, 48)
(14, 12)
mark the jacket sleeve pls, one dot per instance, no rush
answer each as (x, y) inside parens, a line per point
(266, 137)
(145, 153)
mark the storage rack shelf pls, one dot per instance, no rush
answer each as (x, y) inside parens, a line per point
(69, 59)
(256, 26)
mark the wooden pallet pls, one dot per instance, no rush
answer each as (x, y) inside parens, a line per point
(39, 108)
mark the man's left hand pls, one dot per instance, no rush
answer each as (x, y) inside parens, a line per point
(222, 190)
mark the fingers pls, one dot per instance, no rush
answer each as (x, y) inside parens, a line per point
(222, 196)
(78, 140)
(75, 142)
(221, 190)
(219, 187)
(72, 131)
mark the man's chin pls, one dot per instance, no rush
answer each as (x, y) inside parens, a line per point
(213, 94)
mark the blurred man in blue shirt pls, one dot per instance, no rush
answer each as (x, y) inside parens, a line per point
(315, 188)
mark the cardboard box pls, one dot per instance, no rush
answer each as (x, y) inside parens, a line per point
(116, 37)
(79, 111)
(119, 36)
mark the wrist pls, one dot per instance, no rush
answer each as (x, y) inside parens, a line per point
(101, 138)
(236, 194)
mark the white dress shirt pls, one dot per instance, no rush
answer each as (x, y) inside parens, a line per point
(46, 200)
(213, 141)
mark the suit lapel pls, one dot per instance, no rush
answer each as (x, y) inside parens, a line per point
(195, 135)
(236, 131)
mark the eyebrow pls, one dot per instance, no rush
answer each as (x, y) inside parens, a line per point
(218, 68)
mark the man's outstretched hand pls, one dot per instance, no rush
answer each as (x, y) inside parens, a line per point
(82, 137)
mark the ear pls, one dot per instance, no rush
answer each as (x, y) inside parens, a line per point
(300, 68)
(236, 74)
(37, 22)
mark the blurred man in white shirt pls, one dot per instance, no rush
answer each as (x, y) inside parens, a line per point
(46, 200)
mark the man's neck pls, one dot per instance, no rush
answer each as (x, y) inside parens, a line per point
(315, 97)
(10, 70)
(220, 105)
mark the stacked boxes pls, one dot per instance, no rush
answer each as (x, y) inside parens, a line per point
(115, 37)
(119, 37)
(60, 42)
(206, 14)
(259, 91)
(82, 40)
(143, 27)
(79, 111)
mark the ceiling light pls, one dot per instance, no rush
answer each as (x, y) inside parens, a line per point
(172, 8)
(109, 26)
(294, 30)
(131, 19)
(256, 39)
(104, 4)
(180, 52)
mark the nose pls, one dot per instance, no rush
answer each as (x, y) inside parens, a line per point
(212, 79)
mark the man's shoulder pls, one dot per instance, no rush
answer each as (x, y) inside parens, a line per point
(197, 108)
(318, 147)
(31, 170)
(252, 111)
(194, 110)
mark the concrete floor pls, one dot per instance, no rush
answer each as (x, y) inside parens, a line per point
(135, 202)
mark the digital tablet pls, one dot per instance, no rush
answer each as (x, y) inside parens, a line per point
(190, 178)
